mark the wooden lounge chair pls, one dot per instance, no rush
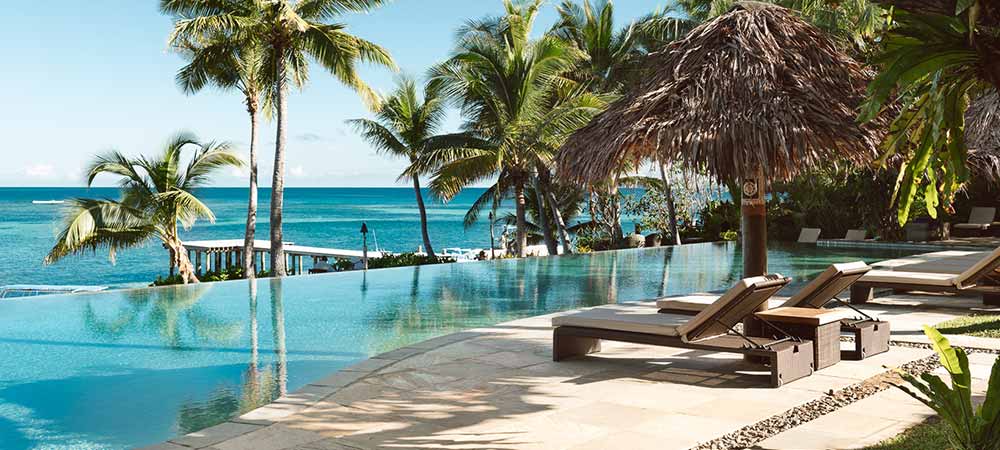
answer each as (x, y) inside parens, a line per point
(713, 329)
(809, 235)
(871, 336)
(980, 221)
(981, 278)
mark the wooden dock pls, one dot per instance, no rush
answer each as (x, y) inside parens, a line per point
(218, 255)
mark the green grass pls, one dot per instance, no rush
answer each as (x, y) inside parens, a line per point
(981, 326)
(930, 435)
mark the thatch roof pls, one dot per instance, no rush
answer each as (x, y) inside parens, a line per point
(757, 86)
(982, 136)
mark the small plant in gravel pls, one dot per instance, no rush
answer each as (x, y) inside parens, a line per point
(970, 427)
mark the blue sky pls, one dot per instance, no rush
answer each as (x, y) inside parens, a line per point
(80, 77)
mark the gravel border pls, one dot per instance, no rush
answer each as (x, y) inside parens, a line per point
(751, 435)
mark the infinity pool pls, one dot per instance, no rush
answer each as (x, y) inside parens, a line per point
(131, 368)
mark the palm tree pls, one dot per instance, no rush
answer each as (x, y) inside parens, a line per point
(291, 33)
(405, 126)
(511, 89)
(157, 194)
(231, 63)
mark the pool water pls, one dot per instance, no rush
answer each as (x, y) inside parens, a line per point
(131, 368)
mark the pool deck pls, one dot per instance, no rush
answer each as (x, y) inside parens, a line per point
(497, 388)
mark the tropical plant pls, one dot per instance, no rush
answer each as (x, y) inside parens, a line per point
(404, 126)
(231, 63)
(290, 33)
(934, 63)
(512, 92)
(971, 427)
(157, 194)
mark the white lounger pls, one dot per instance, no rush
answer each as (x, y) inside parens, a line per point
(980, 220)
(981, 278)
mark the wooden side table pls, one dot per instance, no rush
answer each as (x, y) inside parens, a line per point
(822, 326)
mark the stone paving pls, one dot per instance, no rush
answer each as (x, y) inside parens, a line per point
(497, 388)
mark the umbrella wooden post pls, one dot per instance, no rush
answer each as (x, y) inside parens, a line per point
(754, 226)
(753, 208)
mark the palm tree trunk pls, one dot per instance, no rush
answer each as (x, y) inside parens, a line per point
(560, 225)
(180, 258)
(614, 205)
(278, 182)
(543, 218)
(522, 223)
(671, 209)
(423, 218)
(251, 229)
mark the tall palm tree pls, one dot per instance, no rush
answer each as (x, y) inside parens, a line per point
(230, 62)
(612, 59)
(291, 33)
(506, 83)
(404, 126)
(157, 194)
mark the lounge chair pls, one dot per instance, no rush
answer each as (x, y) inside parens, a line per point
(871, 336)
(856, 235)
(713, 329)
(981, 278)
(980, 221)
(809, 235)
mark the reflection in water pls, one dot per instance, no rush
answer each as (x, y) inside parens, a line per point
(278, 327)
(173, 312)
(258, 387)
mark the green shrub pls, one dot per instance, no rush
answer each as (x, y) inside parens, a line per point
(406, 259)
(971, 428)
(729, 235)
(235, 273)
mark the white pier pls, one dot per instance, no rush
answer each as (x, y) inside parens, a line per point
(214, 256)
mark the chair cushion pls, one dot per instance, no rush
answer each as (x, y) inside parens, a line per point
(830, 283)
(628, 318)
(972, 226)
(912, 278)
(966, 278)
(982, 215)
(809, 235)
(695, 304)
(856, 235)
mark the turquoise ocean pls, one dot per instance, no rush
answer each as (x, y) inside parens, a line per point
(320, 217)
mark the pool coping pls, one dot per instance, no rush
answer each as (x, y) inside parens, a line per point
(307, 396)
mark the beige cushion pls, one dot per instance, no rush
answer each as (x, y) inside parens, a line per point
(914, 278)
(965, 279)
(972, 226)
(694, 304)
(628, 318)
(835, 270)
(982, 215)
(856, 235)
(746, 284)
(809, 235)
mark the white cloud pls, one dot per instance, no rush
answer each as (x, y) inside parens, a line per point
(297, 171)
(42, 171)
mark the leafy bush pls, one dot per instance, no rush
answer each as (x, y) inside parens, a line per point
(235, 273)
(406, 259)
(971, 428)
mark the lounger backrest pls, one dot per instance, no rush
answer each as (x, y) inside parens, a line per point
(809, 235)
(736, 304)
(834, 280)
(974, 274)
(982, 215)
(856, 235)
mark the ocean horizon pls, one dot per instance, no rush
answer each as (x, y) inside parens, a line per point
(320, 217)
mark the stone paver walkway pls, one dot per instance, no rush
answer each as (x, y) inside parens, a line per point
(497, 388)
(872, 420)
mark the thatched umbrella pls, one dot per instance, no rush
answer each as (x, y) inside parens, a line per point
(756, 94)
(982, 136)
